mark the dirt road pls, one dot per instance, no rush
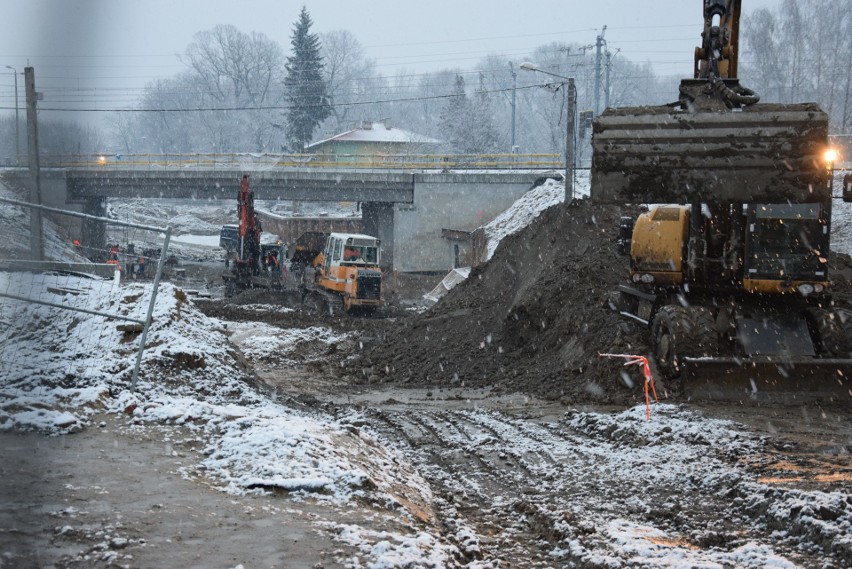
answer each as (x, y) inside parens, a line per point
(118, 496)
(525, 483)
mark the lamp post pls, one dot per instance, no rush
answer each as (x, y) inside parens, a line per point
(570, 111)
(17, 137)
(514, 88)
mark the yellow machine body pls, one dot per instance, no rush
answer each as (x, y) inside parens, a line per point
(657, 249)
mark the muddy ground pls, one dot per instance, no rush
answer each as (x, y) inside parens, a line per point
(510, 357)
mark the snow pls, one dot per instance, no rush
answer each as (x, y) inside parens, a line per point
(205, 240)
(262, 341)
(378, 132)
(528, 207)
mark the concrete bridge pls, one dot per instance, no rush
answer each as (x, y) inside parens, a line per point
(422, 217)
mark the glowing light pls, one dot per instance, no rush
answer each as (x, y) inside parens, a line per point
(101, 160)
(831, 155)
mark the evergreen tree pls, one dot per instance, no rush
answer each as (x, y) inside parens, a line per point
(304, 85)
(455, 119)
(485, 136)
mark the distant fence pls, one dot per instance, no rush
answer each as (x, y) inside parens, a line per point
(271, 161)
(35, 293)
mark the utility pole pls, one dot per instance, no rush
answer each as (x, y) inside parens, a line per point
(571, 121)
(606, 89)
(17, 122)
(571, 97)
(514, 88)
(599, 43)
(36, 236)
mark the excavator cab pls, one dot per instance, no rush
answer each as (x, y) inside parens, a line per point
(786, 248)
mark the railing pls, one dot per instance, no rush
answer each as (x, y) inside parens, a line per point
(273, 161)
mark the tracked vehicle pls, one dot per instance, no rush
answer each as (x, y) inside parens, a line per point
(730, 275)
(342, 272)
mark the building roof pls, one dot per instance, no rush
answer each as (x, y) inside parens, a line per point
(378, 132)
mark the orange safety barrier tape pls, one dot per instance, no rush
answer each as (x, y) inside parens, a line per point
(646, 372)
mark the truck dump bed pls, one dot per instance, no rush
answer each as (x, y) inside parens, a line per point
(765, 153)
(308, 246)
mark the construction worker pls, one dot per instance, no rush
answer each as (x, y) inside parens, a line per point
(141, 266)
(351, 254)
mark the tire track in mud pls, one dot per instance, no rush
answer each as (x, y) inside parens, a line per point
(490, 472)
(552, 494)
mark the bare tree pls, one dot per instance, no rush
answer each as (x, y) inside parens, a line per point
(347, 73)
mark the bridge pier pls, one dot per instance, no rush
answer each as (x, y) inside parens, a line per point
(377, 219)
(93, 233)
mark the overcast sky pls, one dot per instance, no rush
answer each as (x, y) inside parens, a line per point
(115, 47)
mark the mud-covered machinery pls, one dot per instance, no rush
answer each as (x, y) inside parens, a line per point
(731, 276)
(342, 275)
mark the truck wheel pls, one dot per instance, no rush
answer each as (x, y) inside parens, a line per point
(828, 333)
(677, 331)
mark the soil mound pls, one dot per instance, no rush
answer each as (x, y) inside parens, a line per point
(533, 319)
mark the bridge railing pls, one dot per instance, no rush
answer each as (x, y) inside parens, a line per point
(260, 161)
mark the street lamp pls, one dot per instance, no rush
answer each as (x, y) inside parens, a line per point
(571, 111)
(17, 137)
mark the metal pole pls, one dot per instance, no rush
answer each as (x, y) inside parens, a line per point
(598, 45)
(147, 325)
(17, 121)
(514, 87)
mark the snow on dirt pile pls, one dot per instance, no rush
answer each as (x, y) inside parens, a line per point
(532, 319)
(61, 367)
(522, 212)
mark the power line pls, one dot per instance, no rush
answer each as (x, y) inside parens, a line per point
(280, 107)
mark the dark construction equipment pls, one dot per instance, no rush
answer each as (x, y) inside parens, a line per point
(254, 265)
(731, 278)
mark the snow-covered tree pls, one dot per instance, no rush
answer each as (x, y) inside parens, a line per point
(455, 119)
(305, 86)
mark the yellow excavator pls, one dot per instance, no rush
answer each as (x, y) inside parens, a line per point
(730, 271)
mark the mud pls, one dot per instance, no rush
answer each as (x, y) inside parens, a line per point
(115, 496)
(532, 320)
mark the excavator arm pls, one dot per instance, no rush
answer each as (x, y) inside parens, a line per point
(720, 40)
(248, 246)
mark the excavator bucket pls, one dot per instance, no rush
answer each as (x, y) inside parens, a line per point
(763, 153)
(768, 380)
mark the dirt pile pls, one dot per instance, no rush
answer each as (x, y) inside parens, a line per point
(532, 319)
